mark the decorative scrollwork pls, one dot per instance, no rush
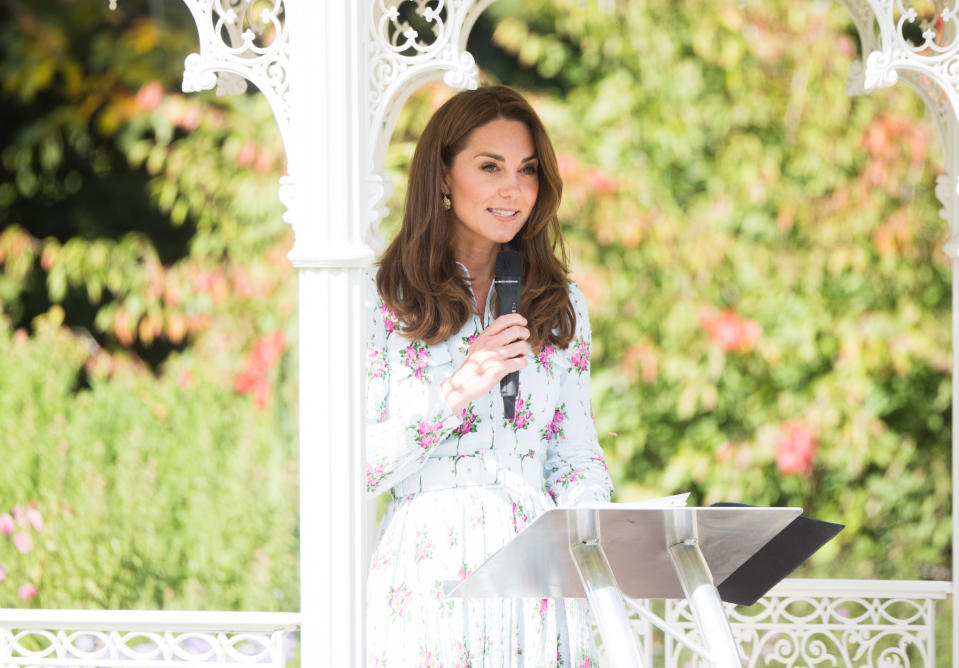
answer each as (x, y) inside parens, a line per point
(412, 42)
(917, 43)
(930, 33)
(240, 41)
(810, 629)
(907, 39)
(411, 27)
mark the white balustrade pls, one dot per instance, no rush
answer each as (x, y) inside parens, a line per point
(835, 623)
(145, 639)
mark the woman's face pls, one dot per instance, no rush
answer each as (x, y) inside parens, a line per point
(493, 184)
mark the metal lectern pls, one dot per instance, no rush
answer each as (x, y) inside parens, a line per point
(604, 551)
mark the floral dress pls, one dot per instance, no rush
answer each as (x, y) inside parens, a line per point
(462, 486)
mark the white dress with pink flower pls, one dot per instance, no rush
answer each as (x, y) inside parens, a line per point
(462, 486)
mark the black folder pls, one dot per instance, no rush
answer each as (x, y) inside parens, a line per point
(776, 559)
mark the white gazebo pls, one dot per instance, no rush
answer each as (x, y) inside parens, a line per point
(336, 96)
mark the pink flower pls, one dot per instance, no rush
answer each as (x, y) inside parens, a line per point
(399, 596)
(6, 523)
(729, 331)
(544, 358)
(555, 426)
(416, 358)
(149, 96)
(599, 181)
(427, 433)
(580, 356)
(794, 449)
(35, 518)
(468, 418)
(19, 516)
(247, 154)
(520, 520)
(375, 363)
(374, 476)
(22, 542)
(255, 377)
(521, 415)
(424, 547)
(389, 318)
(27, 591)
(599, 460)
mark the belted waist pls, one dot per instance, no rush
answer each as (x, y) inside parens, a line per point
(472, 471)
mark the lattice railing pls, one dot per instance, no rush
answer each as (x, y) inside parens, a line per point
(145, 639)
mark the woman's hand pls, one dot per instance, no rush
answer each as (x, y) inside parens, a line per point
(497, 351)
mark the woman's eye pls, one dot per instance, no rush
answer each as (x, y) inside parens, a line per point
(489, 167)
(530, 169)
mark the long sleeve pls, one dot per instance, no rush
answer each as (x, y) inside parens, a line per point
(406, 416)
(576, 472)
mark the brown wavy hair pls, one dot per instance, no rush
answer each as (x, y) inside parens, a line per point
(418, 276)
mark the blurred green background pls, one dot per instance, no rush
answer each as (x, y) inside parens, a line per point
(761, 254)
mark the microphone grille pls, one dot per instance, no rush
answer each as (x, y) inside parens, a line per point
(509, 263)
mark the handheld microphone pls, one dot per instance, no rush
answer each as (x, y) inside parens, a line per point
(508, 281)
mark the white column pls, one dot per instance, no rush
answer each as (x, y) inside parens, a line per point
(947, 190)
(325, 193)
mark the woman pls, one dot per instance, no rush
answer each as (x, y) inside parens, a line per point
(465, 479)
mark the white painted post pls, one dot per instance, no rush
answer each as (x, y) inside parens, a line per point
(326, 196)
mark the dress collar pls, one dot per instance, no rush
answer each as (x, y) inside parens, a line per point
(487, 311)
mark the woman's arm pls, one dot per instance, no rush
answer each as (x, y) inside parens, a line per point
(576, 472)
(402, 429)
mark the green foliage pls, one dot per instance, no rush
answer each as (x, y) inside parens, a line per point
(158, 492)
(146, 385)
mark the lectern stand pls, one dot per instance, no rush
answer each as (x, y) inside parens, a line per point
(602, 552)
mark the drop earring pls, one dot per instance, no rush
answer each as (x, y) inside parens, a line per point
(447, 204)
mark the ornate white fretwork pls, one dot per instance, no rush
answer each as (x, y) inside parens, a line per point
(102, 638)
(412, 42)
(240, 41)
(812, 623)
(921, 49)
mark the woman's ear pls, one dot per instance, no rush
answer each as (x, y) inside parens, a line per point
(444, 179)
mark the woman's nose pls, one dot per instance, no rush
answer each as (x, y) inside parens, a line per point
(510, 185)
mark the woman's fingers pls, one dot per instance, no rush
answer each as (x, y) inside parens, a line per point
(504, 330)
(515, 349)
(498, 350)
(504, 321)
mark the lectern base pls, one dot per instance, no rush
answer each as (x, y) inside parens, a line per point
(605, 598)
(700, 590)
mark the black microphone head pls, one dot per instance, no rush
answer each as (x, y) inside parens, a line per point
(509, 264)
